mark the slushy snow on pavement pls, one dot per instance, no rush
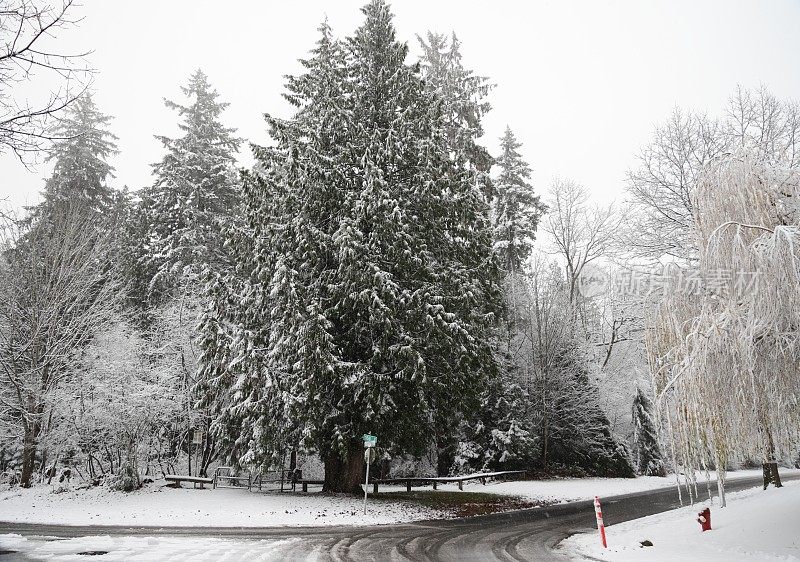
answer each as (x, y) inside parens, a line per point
(127, 548)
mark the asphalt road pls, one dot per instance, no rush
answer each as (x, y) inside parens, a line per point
(531, 534)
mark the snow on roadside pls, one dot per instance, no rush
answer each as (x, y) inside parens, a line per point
(757, 525)
(136, 548)
(563, 490)
(162, 506)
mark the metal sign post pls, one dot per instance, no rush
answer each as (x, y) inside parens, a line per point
(369, 457)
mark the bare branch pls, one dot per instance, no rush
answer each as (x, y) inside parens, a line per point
(27, 27)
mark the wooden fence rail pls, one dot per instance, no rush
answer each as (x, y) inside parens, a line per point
(436, 480)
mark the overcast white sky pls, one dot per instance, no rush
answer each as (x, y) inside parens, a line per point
(581, 83)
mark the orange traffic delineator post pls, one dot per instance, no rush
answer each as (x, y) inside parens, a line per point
(600, 527)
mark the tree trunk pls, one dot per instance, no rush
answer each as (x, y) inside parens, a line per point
(545, 434)
(344, 475)
(445, 453)
(29, 453)
(770, 466)
(52, 473)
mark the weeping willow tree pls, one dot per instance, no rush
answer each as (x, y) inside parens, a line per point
(724, 343)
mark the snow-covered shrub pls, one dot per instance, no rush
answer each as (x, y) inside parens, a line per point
(112, 411)
(126, 479)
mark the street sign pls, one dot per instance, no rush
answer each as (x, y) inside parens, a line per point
(369, 457)
(197, 437)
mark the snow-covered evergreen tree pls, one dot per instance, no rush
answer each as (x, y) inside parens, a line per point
(497, 436)
(70, 232)
(463, 97)
(80, 160)
(517, 207)
(572, 431)
(647, 451)
(501, 429)
(195, 191)
(279, 248)
(175, 242)
(370, 304)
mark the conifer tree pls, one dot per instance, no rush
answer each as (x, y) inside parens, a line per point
(576, 433)
(498, 435)
(80, 162)
(373, 290)
(463, 98)
(517, 207)
(195, 191)
(176, 236)
(71, 233)
(505, 403)
(647, 452)
(281, 246)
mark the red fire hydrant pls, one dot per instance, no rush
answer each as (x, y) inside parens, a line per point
(704, 518)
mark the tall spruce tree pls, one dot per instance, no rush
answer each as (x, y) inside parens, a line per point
(58, 274)
(517, 207)
(181, 222)
(501, 432)
(255, 311)
(574, 431)
(646, 450)
(194, 194)
(80, 163)
(374, 288)
(462, 94)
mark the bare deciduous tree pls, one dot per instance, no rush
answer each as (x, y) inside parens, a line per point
(724, 359)
(580, 232)
(662, 186)
(27, 55)
(55, 294)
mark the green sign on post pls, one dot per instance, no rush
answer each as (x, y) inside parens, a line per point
(369, 457)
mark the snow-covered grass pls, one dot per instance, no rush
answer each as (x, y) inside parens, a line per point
(159, 505)
(757, 525)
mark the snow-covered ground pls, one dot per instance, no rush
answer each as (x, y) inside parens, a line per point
(757, 525)
(563, 490)
(160, 506)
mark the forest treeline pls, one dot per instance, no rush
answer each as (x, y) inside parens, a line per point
(377, 270)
